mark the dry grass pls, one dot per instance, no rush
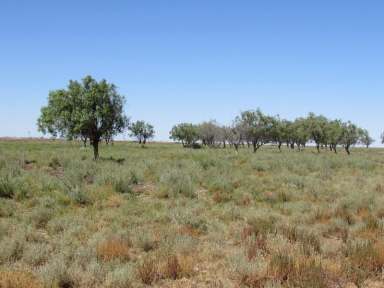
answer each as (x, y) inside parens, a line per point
(226, 219)
(14, 279)
(114, 248)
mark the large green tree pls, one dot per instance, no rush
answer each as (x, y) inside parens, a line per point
(86, 109)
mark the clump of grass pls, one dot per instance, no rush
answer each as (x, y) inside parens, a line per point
(146, 242)
(172, 268)
(7, 208)
(12, 248)
(176, 266)
(122, 277)
(297, 271)
(191, 224)
(259, 226)
(18, 279)
(114, 248)
(54, 163)
(308, 240)
(40, 216)
(366, 256)
(7, 187)
(176, 182)
(79, 196)
(147, 270)
(123, 182)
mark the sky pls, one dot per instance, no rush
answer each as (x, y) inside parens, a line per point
(195, 60)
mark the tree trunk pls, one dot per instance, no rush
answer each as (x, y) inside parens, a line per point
(280, 143)
(318, 148)
(347, 149)
(95, 144)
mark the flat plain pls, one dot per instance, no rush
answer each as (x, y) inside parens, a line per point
(166, 216)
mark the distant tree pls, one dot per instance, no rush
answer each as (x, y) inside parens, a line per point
(142, 131)
(300, 133)
(257, 127)
(87, 110)
(186, 133)
(382, 138)
(279, 131)
(364, 138)
(209, 133)
(236, 134)
(350, 136)
(334, 133)
(316, 127)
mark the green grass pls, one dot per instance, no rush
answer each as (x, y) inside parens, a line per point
(171, 217)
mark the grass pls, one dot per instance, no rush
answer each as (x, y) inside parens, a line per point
(171, 217)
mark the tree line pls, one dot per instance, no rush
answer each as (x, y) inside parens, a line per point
(254, 129)
(93, 111)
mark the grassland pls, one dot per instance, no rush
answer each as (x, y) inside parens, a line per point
(164, 216)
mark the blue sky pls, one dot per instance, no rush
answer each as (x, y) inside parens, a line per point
(196, 60)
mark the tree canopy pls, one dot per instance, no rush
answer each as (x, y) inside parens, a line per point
(85, 109)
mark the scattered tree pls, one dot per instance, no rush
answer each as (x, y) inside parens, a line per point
(87, 110)
(186, 133)
(142, 131)
(365, 138)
